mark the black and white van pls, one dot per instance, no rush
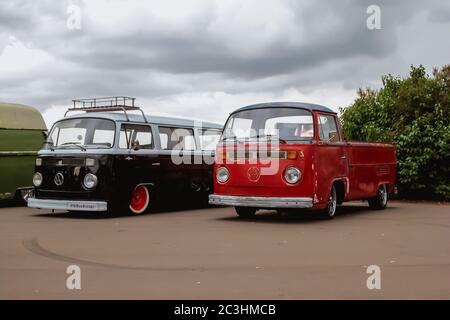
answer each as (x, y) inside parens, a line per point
(102, 160)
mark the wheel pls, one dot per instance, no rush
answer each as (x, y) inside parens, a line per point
(245, 212)
(140, 199)
(379, 202)
(330, 210)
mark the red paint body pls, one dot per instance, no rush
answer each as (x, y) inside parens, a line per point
(359, 167)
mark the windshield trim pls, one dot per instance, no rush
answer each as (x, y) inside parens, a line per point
(49, 146)
(249, 139)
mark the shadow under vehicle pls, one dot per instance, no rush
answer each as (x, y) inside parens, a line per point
(22, 134)
(102, 160)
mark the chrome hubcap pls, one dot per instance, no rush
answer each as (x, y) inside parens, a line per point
(332, 204)
(383, 195)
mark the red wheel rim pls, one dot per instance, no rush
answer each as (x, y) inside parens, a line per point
(139, 199)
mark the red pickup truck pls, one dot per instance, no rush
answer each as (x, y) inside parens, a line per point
(285, 155)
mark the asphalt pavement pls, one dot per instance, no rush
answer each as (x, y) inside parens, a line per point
(210, 253)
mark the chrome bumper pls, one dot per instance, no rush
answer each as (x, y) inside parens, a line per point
(260, 202)
(72, 205)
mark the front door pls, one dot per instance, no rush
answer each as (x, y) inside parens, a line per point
(331, 158)
(138, 161)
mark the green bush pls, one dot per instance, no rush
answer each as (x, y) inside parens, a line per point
(414, 114)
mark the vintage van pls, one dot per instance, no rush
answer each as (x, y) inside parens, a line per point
(22, 134)
(292, 155)
(101, 160)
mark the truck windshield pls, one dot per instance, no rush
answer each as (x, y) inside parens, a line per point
(82, 133)
(284, 124)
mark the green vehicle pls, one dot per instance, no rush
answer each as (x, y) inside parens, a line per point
(22, 134)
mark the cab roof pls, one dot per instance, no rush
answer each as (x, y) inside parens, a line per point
(160, 120)
(19, 116)
(298, 105)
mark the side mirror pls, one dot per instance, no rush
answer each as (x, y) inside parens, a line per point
(135, 145)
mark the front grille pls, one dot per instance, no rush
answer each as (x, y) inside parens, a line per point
(64, 162)
(99, 193)
(73, 171)
(253, 154)
(61, 194)
(72, 178)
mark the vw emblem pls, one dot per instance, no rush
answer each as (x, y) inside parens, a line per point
(59, 179)
(253, 174)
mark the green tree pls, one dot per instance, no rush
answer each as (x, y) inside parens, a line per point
(414, 114)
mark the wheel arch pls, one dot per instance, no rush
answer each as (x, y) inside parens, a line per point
(147, 184)
(389, 184)
(341, 186)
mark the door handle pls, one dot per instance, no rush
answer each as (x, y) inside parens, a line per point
(343, 157)
(128, 158)
(156, 164)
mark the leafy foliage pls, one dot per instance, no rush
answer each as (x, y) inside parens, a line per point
(414, 114)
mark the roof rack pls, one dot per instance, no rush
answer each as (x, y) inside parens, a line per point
(106, 104)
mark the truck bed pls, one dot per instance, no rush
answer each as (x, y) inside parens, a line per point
(370, 164)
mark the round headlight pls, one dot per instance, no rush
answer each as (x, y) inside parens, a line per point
(222, 174)
(90, 181)
(37, 179)
(292, 175)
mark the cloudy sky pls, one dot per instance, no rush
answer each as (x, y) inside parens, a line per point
(205, 58)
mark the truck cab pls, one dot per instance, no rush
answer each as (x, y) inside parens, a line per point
(290, 155)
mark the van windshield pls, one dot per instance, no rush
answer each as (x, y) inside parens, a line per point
(285, 124)
(82, 133)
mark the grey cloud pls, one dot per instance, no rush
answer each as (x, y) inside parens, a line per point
(162, 61)
(199, 50)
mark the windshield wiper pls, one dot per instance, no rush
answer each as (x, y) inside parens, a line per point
(232, 137)
(229, 137)
(74, 144)
(268, 137)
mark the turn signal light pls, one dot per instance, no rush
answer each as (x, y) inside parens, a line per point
(221, 156)
(291, 155)
(90, 162)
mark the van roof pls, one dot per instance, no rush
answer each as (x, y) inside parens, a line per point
(19, 116)
(173, 121)
(298, 105)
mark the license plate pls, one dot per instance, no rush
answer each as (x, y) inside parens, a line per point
(81, 206)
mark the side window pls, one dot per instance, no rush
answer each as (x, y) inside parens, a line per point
(177, 138)
(164, 139)
(135, 134)
(328, 129)
(209, 139)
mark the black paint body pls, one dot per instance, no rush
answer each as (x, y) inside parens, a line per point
(120, 170)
